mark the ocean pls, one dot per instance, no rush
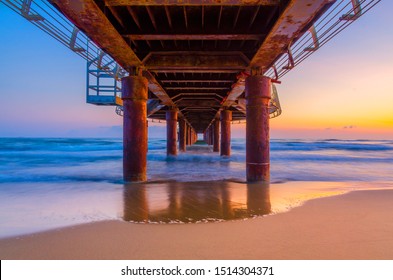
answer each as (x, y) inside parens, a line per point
(52, 182)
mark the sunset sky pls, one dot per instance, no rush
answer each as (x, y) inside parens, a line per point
(344, 90)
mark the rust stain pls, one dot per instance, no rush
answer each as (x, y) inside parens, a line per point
(288, 27)
(87, 16)
(191, 2)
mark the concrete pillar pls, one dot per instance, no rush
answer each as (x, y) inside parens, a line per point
(182, 135)
(216, 138)
(134, 95)
(226, 118)
(258, 94)
(171, 132)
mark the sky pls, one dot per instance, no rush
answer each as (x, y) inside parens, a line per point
(342, 91)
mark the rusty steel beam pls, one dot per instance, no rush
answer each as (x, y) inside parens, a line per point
(233, 94)
(117, 17)
(170, 61)
(196, 81)
(236, 91)
(196, 70)
(191, 2)
(89, 18)
(197, 97)
(153, 106)
(197, 88)
(193, 37)
(157, 89)
(199, 109)
(292, 23)
(198, 103)
(194, 94)
(240, 105)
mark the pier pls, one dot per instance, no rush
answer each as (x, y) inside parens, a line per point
(198, 65)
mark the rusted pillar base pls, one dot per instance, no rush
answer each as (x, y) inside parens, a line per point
(171, 132)
(216, 138)
(134, 95)
(182, 135)
(226, 118)
(258, 94)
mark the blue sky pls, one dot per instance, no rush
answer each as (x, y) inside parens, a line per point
(344, 90)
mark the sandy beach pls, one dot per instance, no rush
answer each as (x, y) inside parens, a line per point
(356, 225)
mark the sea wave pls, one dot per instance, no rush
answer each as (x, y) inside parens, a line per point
(96, 160)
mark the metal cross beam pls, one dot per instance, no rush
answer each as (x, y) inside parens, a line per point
(191, 2)
(294, 21)
(88, 17)
(194, 37)
(169, 61)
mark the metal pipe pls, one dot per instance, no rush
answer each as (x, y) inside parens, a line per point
(226, 118)
(258, 94)
(216, 138)
(182, 135)
(171, 132)
(134, 95)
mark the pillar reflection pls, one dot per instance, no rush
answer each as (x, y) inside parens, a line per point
(174, 208)
(135, 203)
(195, 201)
(258, 199)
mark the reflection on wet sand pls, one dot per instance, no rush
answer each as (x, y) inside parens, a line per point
(194, 202)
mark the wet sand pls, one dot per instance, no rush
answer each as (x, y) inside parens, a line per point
(356, 225)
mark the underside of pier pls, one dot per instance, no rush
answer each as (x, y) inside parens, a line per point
(197, 57)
